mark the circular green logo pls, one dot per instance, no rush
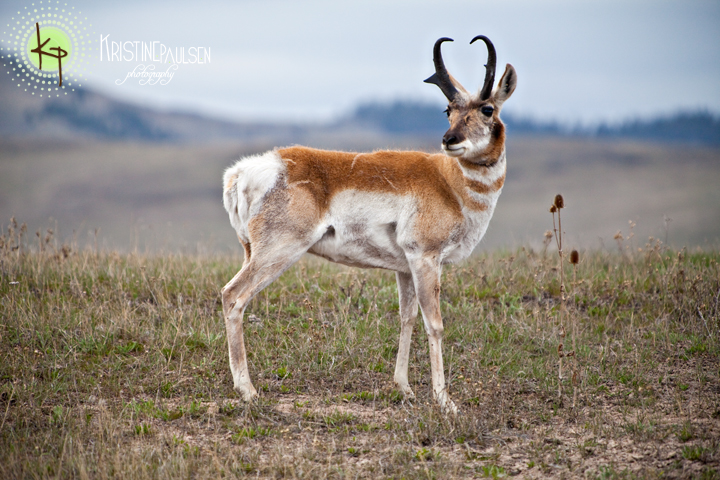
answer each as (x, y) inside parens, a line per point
(54, 47)
(47, 48)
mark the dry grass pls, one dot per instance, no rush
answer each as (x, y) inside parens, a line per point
(116, 366)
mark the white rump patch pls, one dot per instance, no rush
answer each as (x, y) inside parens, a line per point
(246, 183)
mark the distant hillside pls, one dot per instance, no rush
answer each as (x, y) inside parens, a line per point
(407, 117)
(85, 114)
(701, 128)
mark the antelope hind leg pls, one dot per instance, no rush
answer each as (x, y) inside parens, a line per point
(256, 274)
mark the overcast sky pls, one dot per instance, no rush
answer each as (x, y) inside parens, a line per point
(577, 60)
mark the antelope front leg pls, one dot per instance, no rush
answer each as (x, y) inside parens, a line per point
(438, 372)
(408, 314)
(427, 286)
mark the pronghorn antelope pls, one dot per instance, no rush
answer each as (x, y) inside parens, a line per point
(410, 212)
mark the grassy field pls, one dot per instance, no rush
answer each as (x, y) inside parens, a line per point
(115, 365)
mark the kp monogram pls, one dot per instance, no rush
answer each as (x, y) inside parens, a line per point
(61, 53)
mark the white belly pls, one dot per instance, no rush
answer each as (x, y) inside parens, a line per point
(362, 230)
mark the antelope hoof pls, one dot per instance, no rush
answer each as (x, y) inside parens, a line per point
(450, 407)
(247, 392)
(446, 405)
(407, 392)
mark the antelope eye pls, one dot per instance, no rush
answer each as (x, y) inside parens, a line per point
(487, 110)
(447, 111)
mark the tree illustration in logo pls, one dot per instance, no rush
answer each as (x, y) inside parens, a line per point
(55, 38)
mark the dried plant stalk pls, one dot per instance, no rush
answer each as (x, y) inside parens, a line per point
(559, 204)
(574, 260)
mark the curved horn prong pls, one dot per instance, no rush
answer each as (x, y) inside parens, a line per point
(489, 67)
(441, 77)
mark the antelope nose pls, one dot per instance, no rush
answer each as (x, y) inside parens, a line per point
(449, 139)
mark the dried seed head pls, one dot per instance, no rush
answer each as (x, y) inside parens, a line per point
(618, 235)
(574, 257)
(559, 202)
(553, 209)
(548, 234)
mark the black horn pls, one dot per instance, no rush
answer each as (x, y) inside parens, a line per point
(489, 67)
(441, 77)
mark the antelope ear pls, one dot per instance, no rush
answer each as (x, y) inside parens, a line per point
(506, 86)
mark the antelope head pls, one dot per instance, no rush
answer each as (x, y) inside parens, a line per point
(476, 134)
